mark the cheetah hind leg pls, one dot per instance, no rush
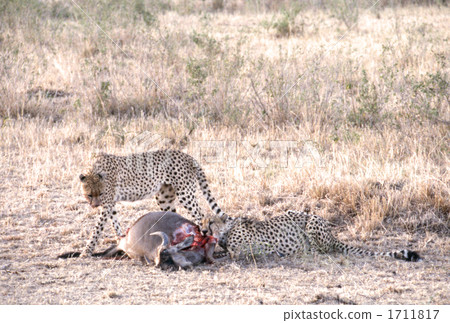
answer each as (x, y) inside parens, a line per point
(166, 198)
(187, 198)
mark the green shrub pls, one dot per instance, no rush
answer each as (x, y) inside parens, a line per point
(346, 11)
(284, 25)
(367, 112)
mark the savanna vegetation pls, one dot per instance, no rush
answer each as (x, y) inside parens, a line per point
(337, 107)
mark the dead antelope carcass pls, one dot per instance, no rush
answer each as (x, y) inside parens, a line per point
(162, 238)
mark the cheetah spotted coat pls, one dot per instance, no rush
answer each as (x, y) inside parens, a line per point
(168, 174)
(285, 235)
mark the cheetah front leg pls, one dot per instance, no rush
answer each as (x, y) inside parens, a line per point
(116, 223)
(108, 211)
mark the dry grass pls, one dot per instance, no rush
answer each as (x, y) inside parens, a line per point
(365, 132)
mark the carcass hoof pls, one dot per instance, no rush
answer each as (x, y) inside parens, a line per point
(71, 254)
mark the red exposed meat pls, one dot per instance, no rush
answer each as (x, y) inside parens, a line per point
(188, 229)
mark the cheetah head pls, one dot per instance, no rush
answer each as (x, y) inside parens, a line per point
(214, 225)
(93, 185)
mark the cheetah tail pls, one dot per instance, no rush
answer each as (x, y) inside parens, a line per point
(201, 177)
(406, 255)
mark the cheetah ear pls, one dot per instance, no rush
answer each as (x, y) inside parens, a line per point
(82, 178)
(224, 217)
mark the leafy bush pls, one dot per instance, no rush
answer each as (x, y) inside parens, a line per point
(284, 25)
(346, 10)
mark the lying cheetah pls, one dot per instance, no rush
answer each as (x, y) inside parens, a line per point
(284, 235)
(164, 173)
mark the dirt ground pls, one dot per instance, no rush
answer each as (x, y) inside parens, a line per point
(31, 274)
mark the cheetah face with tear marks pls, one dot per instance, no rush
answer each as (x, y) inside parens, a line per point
(93, 187)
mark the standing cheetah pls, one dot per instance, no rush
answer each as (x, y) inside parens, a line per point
(164, 173)
(284, 235)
